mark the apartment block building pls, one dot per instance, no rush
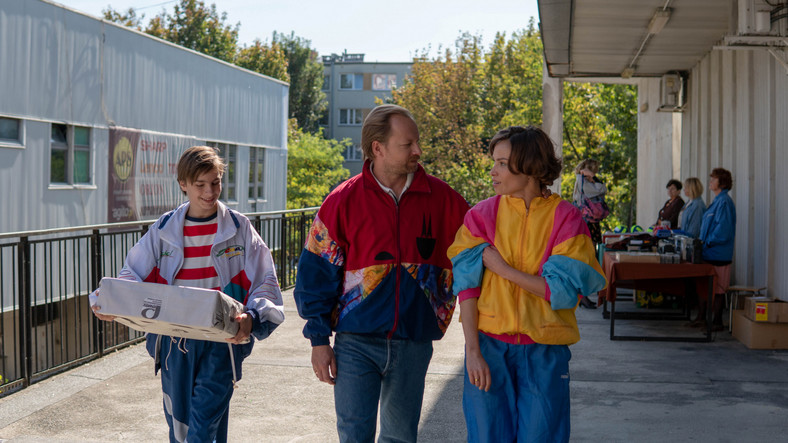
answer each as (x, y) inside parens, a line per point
(351, 87)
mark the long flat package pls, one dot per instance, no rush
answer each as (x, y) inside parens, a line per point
(176, 311)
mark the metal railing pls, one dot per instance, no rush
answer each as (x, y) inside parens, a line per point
(46, 325)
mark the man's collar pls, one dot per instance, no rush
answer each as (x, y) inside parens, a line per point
(388, 190)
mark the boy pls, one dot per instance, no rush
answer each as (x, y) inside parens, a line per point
(186, 247)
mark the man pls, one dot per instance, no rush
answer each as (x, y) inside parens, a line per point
(374, 270)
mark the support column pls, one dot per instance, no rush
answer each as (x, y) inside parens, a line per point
(553, 114)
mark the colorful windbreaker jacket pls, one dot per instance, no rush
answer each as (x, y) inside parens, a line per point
(718, 229)
(242, 260)
(373, 266)
(549, 239)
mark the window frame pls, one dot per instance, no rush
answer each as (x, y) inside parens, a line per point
(355, 153)
(357, 119)
(70, 148)
(19, 143)
(256, 185)
(387, 86)
(228, 152)
(356, 79)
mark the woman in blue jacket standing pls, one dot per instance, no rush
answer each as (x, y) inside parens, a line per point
(691, 216)
(717, 233)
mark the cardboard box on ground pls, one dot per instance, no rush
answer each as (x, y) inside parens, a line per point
(759, 335)
(766, 309)
(176, 311)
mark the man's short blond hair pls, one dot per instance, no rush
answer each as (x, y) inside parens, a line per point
(377, 126)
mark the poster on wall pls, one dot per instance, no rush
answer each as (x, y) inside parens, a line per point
(142, 173)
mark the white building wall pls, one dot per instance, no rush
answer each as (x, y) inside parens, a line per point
(60, 66)
(655, 152)
(736, 118)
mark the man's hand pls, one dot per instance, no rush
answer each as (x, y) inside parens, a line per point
(324, 364)
(244, 329)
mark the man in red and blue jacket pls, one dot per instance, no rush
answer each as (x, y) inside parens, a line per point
(374, 270)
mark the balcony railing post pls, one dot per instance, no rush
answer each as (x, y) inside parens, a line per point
(95, 278)
(283, 251)
(25, 309)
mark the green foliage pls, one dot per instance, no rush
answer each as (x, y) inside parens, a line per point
(199, 27)
(307, 101)
(463, 97)
(600, 122)
(265, 59)
(314, 165)
(128, 18)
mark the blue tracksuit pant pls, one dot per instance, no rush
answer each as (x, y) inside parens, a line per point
(197, 382)
(528, 400)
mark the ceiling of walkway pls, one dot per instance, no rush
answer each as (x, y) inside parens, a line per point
(600, 38)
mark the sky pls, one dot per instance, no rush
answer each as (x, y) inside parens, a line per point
(395, 33)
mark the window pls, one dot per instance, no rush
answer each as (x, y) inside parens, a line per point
(256, 168)
(323, 120)
(228, 153)
(326, 82)
(384, 82)
(69, 154)
(11, 132)
(351, 117)
(354, 153)
(351, 81)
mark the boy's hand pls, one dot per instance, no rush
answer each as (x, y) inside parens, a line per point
(96, 310)
(244, 329)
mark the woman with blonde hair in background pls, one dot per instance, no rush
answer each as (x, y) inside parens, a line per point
(589, 187)
(691, 215)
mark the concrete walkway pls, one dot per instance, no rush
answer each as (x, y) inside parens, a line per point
(621, 391)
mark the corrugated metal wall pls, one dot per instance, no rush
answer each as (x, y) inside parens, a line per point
(57, 65)
(737, 118)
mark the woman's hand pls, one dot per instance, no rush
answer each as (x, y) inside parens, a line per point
(493, 261)
(478, 371)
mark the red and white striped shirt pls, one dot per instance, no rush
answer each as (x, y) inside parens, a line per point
(198, 270)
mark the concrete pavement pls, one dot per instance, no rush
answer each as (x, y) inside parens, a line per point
(621, 391)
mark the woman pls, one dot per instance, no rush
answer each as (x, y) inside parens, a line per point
(692, 213)
(588, 185)
(670, 211)
(717, 233)
(521, 260)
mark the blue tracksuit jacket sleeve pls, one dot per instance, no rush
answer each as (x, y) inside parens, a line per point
(567, 277)
(468, 268)
(722, 226)
(318, 286)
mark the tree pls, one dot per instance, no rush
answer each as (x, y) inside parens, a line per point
(314, 165)
(307, 101)
(197, 27)
(463, 97)
(265, 59)
(128, 18)
(600, 122)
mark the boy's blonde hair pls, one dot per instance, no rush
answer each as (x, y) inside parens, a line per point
(196, 161)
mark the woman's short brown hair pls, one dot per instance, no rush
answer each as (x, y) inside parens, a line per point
(590, 164)
(723, 176)
(694, 187)
(377, 126)
(533, 153)
(196, 161)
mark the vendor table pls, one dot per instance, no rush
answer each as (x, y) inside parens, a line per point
(671, 278)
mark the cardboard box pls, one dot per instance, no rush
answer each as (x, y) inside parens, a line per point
(637, 257)
(765, 309)
(759, 335)
(176, 311)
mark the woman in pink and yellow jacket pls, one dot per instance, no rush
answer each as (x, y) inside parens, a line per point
(522, 260)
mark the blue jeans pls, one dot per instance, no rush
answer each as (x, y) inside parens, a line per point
(372, 370)
(528, 400)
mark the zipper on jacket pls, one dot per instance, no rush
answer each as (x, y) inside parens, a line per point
(396, 269)
(518, 289)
